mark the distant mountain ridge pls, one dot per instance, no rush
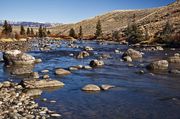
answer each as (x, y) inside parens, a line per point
(30, 24)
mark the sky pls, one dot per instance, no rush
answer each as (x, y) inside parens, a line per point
(68, 11)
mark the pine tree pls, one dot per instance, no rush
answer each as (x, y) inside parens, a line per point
(98, 29)
(80, 33)
(72, 33)
(133, 32)
(22, 31)
(7, 28)
(28, 31)
(48, 32)
(115, 35)
(32, 32)
(41, 31)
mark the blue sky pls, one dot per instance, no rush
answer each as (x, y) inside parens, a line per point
(68, 11)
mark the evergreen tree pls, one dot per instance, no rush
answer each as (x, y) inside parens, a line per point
(72, 33)
(98, 29)
(115, 35)
(80, 33)
(44, 32)
(41, 31)
(28, 31)
(22, 31)
(7, 28)
(48, 32)
(133, 32)
(32, 32)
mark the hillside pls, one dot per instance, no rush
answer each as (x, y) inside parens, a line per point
(154, 19)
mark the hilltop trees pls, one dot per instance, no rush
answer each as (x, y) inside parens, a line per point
(98, 32)
(7, 29)
(28, 31)
(72, 33)
(32, 32)
(80, 35)
(133, 32)
(22, 31)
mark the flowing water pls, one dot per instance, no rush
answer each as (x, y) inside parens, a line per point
(152, 95)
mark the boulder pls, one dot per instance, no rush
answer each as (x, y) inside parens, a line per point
(158, 65)
(62, 72)
(91, 87)
(174, 59)
(36, 84)
(20, 69)
(83, 54)
(132, 53)
(106, 87)
(16, 57)
(96, 63)
(127, 59)
(174, 71)
(33, 92)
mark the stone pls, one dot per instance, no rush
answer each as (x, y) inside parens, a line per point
(83, 54)
(159, 48)
(96, 63)
(36, 84)
(127, 59)
(16, 57)
(20, 69)
(35, 75)
(46, 76)
(55, 115)
(106, 87)
(158, 65)
(45, 71)
(174, 59)
(88, 48)
(132, 53)
(38, 60)
(6, 84)
(62, 72)
(91, 87)
(33, 92)
(87, 67)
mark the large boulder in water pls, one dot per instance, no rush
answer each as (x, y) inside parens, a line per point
(36, 84)
(91, 87)
(158, 65)
(132, 53)
(83, 54)
(16, 57)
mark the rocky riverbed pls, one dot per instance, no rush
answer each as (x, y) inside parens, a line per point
(97, 80)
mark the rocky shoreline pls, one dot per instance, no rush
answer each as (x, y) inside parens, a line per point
(16, 103)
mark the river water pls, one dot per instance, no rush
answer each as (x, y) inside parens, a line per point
(152, 95)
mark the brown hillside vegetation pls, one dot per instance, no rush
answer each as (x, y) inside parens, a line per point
(154, 19)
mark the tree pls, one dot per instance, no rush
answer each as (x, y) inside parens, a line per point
(28, 31)
(115, 35)
(22, 31)
(72, 33)
(133, 32)
(80, 35)
(48, 32)
(7, 29)
(41, 31)
(32, 32)
(98, 29)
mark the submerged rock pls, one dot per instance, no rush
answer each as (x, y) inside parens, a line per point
(132, 53)
(162, 64)
(83, 54)
(33, 92)
(35, 84)
(16, 57)
(96, 63)
(91, 87)
(106, 87)
(62, 72)
(88, 48)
